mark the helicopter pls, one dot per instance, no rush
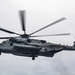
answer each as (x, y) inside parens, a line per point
(24, 45)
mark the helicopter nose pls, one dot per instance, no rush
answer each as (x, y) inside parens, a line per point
(0, 51)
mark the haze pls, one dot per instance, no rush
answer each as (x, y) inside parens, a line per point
(38, 14)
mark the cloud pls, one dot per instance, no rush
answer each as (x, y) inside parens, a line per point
(39, 14)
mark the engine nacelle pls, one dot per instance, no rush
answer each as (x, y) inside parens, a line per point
(43, 41)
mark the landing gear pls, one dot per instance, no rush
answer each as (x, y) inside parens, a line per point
(33, 55)
(33, 58)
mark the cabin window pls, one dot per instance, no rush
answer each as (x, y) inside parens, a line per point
(11, 44)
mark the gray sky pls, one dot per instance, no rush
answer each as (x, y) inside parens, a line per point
(38, 14)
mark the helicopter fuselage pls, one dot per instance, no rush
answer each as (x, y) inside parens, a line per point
(23, 45)
(30, 47)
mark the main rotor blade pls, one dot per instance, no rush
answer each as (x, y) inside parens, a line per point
(2, 29)
(59, 20)
(5, 37)
(22, 17)
(51, 35)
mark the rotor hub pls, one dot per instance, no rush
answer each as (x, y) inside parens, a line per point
(25, 36)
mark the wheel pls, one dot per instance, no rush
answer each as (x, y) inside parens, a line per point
(33, 58)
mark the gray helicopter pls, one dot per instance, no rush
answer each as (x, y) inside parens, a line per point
(23, 45)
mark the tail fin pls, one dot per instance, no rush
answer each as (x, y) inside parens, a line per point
(74, 44)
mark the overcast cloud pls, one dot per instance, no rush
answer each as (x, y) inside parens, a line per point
(38, 14)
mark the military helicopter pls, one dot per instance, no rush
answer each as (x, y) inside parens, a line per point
(24, 45)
